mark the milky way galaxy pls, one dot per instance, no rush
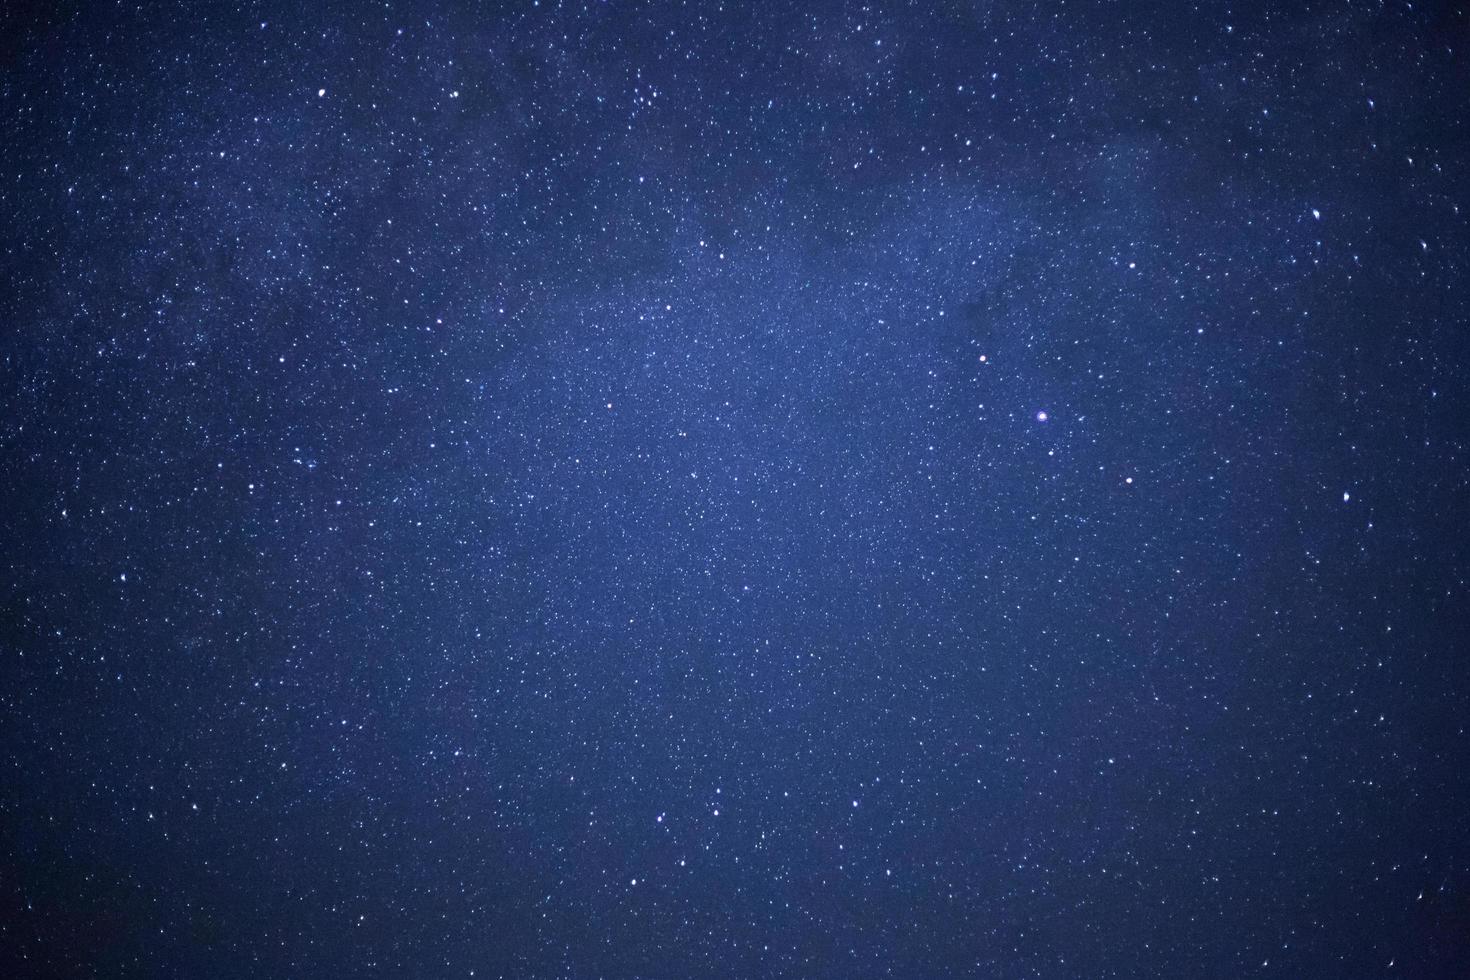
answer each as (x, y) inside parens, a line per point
(561, 489)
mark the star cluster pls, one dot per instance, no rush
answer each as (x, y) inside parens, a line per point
(669, 490)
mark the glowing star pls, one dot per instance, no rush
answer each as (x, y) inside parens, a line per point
(1042, 416)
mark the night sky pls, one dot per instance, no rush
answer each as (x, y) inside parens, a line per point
(765, 490)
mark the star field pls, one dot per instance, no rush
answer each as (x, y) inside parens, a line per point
(684, 490)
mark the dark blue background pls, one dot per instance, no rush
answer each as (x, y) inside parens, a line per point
(559, 490)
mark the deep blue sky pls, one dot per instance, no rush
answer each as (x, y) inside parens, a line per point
(794, 490)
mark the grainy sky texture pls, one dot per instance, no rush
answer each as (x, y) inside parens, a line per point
(751, 490)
